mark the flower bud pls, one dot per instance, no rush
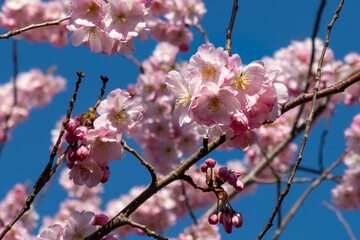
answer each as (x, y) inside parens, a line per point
(203, 168)
(239, 185)
(223, 173)
(210, 162)
(232, 179)
(72, 124)
(237, 220)
(213, 219)
(80, 132)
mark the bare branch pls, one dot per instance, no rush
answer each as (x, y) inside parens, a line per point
(32, 26)
(301, 200)
(143, 228)
(191, 212)
(46, 174)
(135, 61)
(203, 33)
(148, 166)
(104, 80)
(231, 26)
(308, 124)
(152, 189)
(322, 141)
(341, 219)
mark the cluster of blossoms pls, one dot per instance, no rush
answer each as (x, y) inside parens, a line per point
(21, 13)
(95, 141)
(108, 26)
(352, 64)
(222, 96)
(34, 89)
(177, 16)
(159, 133)
(347, 194)
(215, 179)
(158, 213)
(9, 208)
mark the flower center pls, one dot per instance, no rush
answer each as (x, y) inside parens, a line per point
(241, 82)
(214, 104)
(119, 116)
(93, 8)
(121, 16)
(184, 99)
(208, 72)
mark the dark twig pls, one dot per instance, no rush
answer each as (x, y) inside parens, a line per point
(231, 26)
(203, 33)
(104, 80)
(187, 204)
(301, 200)
(143, 228)
(33, 26)
(308, 124)
(308, 81)
(189, 180)
(46, 174)
(322, 141)
(295, 180)
(148, 166)
(15, 98)
(341, 219)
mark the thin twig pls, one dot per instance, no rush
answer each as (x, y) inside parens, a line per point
(143, 228)
(46, 174)
(15, 98)
(295, 180)
(231, 26)
(301, 200)
(104, 80)
(322, 140)
(308, 79)
(33, 26)
(203, 33)
(189, 180)
(135, 61)
(187, 204)
(307, 127)
(341, 219)
(148, 166)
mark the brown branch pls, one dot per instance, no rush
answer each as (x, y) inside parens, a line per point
(341, 219)
(152, 189)
(135, 61)
(32, 26)
(307, 127)
(143, 228)
(231, 26)
(189, 180)
(334, 89)
(203, 33)
(46, 174)
(295, 180)
(148, 166)
(322, 141)
(104, 80)
(187, 204)
(301, 200)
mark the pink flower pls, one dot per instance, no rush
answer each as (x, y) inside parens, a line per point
(118, 111)
(53, 232)
(124, 19)
(86, 172)
(207, 64)
(213, 106)
(352, 135)
(79, 225)
(86, 11)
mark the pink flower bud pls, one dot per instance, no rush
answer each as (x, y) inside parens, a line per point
(203, 168)
(210, 162)
(82, 152)
(106, 171)
(80, 132)
(237, 220)
(213, 219)
(239, 185)
(72, 154)
(223, 173)
(237, 173)
(227, 222)
(70, 138)
(70, 164)
(72, 124)
(220, 217)
(232, 179)
(100, 220)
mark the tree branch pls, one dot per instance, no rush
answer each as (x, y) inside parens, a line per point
(231, 26)
(143, 228)
(46, 174)
(32, 26)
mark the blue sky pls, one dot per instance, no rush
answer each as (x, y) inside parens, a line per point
(261, 28)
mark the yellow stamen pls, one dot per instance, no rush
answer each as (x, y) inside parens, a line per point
(93, 8)
(208, 72)
(119, 116)
(241, 82)
(121, 16)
